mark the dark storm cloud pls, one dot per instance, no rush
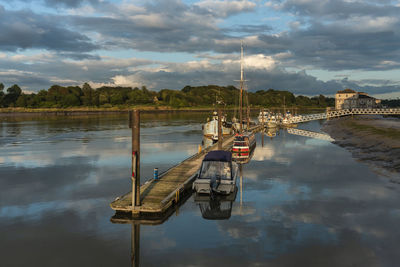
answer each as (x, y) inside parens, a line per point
(340, 35)
(69, 3)
(155, 32)
(337, 9)
(25, 29)
(170, 26)
(30, 81)
(334, 47)
(249, 29)
(79, 56)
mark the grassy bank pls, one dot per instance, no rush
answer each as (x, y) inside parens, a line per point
(365, 128)
(372, 139)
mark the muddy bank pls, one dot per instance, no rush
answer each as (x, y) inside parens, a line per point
(371, 139)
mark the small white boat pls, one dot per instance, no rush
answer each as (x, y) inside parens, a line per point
(210, 129)
(286, 118)
(263, 116)
(272, 121)
(217, 174)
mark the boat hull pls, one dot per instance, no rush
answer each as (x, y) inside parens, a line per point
(210, 130)
(202, 186)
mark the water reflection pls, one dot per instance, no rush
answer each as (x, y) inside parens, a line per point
(135, 244)
(300, 201)
(216, 207)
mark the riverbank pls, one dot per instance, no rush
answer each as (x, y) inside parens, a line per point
(7, 112)
(372, 139)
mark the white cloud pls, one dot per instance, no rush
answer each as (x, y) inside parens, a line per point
(226, 8)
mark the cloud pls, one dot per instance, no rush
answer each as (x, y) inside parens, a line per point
(25, 29)
(226, 8)
(69, 3)
(321, 35)
(263, 72)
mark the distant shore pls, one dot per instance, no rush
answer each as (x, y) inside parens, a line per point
(10, 112)
(372, 139)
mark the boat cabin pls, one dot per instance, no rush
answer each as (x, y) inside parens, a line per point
(217, 173)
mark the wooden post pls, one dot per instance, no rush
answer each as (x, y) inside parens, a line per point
(135, 159)
(262, 119)
(135, 244)
(220, 129)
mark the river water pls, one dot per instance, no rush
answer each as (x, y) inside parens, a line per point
(303, 201)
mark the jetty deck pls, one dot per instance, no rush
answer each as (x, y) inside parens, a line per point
(157, 196)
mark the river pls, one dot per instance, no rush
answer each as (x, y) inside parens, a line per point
(303, 201)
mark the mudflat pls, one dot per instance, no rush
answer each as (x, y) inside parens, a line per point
(374, 139)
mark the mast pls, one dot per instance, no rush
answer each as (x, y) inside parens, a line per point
(284, 106)
(248, 110)
(241, 88)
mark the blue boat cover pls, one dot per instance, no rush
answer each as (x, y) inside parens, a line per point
(218, 155)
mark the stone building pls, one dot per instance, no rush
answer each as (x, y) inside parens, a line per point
(348, 98)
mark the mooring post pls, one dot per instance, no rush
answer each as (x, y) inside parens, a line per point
(135, 119)
(262, 118)
(220, 129)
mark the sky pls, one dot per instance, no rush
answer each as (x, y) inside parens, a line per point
(308, 47)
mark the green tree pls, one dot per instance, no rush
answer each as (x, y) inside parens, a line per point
(22, 101)
(88, 95)
(12, 95)
(70, 100)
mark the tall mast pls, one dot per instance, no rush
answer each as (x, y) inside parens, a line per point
(241, 87)
(284, 106)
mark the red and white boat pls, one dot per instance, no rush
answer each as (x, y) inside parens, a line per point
(243, 144)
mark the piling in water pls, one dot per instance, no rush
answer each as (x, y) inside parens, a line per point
(135, 124)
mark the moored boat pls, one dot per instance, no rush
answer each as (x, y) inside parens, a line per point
(210, 129)
(217, 174)
(244, 143)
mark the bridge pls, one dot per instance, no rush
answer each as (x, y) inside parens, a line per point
(311, 134)
(343, 112)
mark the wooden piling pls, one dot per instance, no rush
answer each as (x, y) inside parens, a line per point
(135, 159)
(262, 119)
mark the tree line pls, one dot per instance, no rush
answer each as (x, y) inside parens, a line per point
(198, 96)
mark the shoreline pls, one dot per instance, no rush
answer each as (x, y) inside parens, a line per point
(371, 139)
(11, 112)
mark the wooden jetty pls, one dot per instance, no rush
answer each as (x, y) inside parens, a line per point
(153, 199)
(157, 196)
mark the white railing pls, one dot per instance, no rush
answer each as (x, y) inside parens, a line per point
(344, 112)
(311, 134)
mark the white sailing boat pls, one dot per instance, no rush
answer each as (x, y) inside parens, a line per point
(244, 142)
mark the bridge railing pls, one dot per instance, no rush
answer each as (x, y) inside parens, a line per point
(344, 112)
